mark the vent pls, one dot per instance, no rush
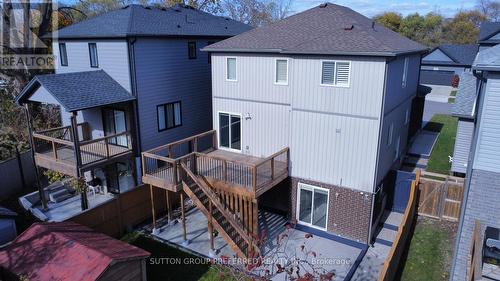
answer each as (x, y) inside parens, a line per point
(349, 27)
(323, 5)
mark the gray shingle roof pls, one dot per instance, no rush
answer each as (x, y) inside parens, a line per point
(78, 90)
(466, 96)
(136, 20)
(330, 29)
(487, 30)
(461, 54)
(488, 59)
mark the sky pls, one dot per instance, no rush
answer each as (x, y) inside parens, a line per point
(373, 7)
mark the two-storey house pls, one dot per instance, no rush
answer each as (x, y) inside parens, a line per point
(126, 81)
(323, 99)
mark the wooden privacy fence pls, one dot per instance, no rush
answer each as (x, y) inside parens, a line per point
(391, 263)
(123, 212)
(475, 264)
(440, 199)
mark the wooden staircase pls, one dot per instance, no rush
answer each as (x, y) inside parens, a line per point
(227, 222)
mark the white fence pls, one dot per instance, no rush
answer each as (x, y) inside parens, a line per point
(12, 173)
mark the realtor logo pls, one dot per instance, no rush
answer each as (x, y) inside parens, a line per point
(22, 24)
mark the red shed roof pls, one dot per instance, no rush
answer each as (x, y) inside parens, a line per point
(64, 251)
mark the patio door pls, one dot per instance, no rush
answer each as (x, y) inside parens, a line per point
(312, 205)
(230, 131)
(115, 123)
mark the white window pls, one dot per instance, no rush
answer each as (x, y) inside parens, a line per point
(281, 70)
(230, 131)
(407, 117)
(390, 134)
(336, 73)
(63, 54)
(94, 62)
(405, 73)
(231, 69)
(312, 205)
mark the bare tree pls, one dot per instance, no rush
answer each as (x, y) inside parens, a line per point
(257, 13)
(490, 8)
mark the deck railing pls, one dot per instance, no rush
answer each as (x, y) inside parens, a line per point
(161, 169)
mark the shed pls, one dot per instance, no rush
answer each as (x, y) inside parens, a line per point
(70, 251)
(8, 230)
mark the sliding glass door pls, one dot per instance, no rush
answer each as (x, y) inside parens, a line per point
(230, 131)
(312, 205)
(115, 123)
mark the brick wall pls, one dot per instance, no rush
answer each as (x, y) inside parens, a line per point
(348, 210)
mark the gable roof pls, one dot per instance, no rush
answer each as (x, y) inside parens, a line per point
(65, 251)
(466, 96)
(78, 90)
(488, 59)
(326, 29)
(460, 54)
(137, 20)
(487, 30)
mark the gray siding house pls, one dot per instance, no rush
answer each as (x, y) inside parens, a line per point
(336, 89)
(126, 81)
(482, 187)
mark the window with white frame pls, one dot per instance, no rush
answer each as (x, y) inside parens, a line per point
(336, 73)
(169, 115)
(231, 69)
(390, 134)
(281, 72)
(407, 117)
(94, 61)
(405, 72)
(63, 54)
(312, 205)
(230, 131)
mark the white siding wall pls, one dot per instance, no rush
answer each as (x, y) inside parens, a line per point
(332, 132)
(112, 58)
(487, 155)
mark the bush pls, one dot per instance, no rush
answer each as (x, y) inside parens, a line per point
(455, 81)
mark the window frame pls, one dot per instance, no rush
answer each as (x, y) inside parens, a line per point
(235, 69)
(311, 187)
(164, 105)
(348, 85)
(218, 131)
(96, 56)
(276, 71)
(61, 54)
(192, 43)
(390, 134)
(404, 79)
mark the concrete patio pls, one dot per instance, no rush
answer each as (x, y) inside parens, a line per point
(331, 255)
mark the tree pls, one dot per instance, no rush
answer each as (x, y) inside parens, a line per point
(489, 8)
(256, 12)
(463, 28)
(390, 20)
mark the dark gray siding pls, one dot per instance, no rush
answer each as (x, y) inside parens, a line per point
(166, 74)
(465, 130)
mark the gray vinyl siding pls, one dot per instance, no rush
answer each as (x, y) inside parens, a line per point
(437, 55)
(463, 140)
(165, 74)
(112, 58)
(332, 131)
(487, 156)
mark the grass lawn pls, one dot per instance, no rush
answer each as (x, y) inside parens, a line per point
(429, 255)
(446, 125)
(163, 271)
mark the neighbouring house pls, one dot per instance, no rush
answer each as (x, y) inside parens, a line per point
(310, 114)
(489, 34)
(442, 63)
(125, 81)
(479, 223)
(70, 251)
(8, 230)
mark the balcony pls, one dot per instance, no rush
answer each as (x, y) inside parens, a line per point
(55, 149)
(225, 170)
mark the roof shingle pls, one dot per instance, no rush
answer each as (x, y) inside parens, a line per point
(461, 54)
(466, 96)
(78, 90)
(326, 29)
(487, 30)
(136, 20)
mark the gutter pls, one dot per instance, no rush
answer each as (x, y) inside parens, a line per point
(336, 53)
(470, 161)
(133, 86)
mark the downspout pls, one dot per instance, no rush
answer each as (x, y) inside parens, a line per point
(370, 226)
(135, 104)
(470, 161)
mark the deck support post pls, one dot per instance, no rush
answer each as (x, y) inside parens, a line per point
(210, 226)
(183, 217)
(37, 172)
(78, 158)
(155, 230)
(168, 206)
(255, 223)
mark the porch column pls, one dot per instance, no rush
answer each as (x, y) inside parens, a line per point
(32, 145)
(183, 216)
(78, 159)
(155, 231)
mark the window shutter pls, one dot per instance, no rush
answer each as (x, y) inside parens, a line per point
(281, 71)
(327, 76)
(231, 69)
(343, 69)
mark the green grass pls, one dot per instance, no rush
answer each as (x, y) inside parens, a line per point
(163, 271)
(428, 255)
(453, 93)
(446, 126)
